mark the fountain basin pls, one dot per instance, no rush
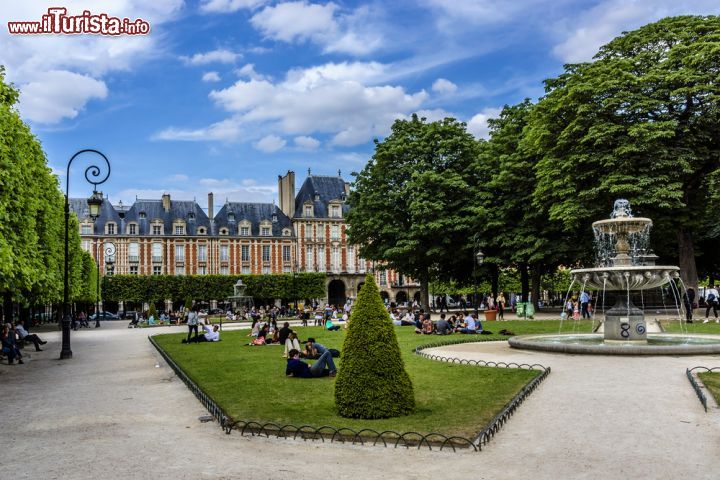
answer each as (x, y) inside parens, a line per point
(593, 344)
(640, 277)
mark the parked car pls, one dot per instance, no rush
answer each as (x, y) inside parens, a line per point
(105, 316)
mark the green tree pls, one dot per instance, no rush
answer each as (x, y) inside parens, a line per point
(372, 382)
(513, 234)
(410, 205)
(639, 122)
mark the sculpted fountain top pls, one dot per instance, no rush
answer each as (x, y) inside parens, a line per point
(623, 262)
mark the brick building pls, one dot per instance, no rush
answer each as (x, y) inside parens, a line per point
(304, 233)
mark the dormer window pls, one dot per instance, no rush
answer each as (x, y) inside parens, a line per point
(179, 230)
(142, 215)
(265, 231)
(231, 217)
(191, 216)
(286, 232)
(317, 197)
(86, 229)
(335, 211)
(157, 229)
(274, 217)
(308, 211)
(132, 229)
(110, 228)
(343, 197)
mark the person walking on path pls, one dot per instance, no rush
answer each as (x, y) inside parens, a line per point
(500, 300)
(584, 303)
(192, 324)
(711, 299)
(689, 301)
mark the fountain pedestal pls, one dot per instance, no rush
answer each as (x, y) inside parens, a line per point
(624, 322)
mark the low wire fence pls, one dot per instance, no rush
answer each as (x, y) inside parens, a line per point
(367, 436)
(696, 385)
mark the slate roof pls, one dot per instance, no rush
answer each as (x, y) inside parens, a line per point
(189, 211)
(327, 188)
(254, 213)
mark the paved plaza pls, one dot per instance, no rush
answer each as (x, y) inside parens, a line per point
(117, 411)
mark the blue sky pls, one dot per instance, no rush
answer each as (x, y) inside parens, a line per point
(224, 95)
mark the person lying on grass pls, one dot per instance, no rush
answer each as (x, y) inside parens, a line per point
(211, 335)
(298, 368)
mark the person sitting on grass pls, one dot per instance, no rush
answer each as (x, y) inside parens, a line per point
(329, 325)
(427, 327)
(471, 325)
(313, 349)
(443, 326)
(211, 335)
(291, 342)
(299, 369)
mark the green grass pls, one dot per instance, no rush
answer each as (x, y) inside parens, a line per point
(696, 327)
(249, 383)
(712, 383)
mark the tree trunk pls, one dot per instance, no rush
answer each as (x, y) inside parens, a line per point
(425, 292)
(524, 282)
(494, 278)
(535, 279)
(686, 255)
(7, 308)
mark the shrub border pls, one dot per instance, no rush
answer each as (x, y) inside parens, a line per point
(369, 436)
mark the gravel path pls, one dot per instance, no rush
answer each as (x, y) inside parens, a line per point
(111, 413)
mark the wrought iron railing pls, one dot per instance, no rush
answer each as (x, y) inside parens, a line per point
(696, 386)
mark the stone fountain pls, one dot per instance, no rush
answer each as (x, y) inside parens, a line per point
(624, 265)
(238, 299)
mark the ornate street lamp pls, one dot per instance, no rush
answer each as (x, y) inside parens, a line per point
(109, 265)
(93, 175)
(479, 258)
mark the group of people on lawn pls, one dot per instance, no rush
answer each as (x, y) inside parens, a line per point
(468, 323)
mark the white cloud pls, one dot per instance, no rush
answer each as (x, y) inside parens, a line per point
(306, 143)
(318, 100)
(478, 125)
(443, 85)
(248, 71)
(211, 77)
(479, 12)
(235, 190)
(269, 144)
(224, 6)
(587, 32)
(58, 94)
(220, 55)
(435, 114)
(325, 25)
(40, 59)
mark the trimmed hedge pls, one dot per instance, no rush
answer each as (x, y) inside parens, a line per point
(141, 288)
(372, 381)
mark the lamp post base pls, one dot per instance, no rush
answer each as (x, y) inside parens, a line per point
(65, 352)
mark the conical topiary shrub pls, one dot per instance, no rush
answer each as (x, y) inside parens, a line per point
(372, 381)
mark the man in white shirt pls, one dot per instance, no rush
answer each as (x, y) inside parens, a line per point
(24, 335)
(471, 325)
(712, 300)
(211, 335)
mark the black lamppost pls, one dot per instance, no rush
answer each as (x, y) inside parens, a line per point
(109, 261)
(94, 204)
(478, 259)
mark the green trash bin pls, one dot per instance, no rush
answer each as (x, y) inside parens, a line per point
(525, 310)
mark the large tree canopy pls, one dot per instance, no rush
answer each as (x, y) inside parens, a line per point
(411, 205)
(641, 121)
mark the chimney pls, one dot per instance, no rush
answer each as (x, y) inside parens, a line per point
(347, 188)
(210, 206)
(166, 202)
(286, 193)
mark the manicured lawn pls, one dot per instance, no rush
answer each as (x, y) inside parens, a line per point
(249, 383)
(696, 327)
(712, 382)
